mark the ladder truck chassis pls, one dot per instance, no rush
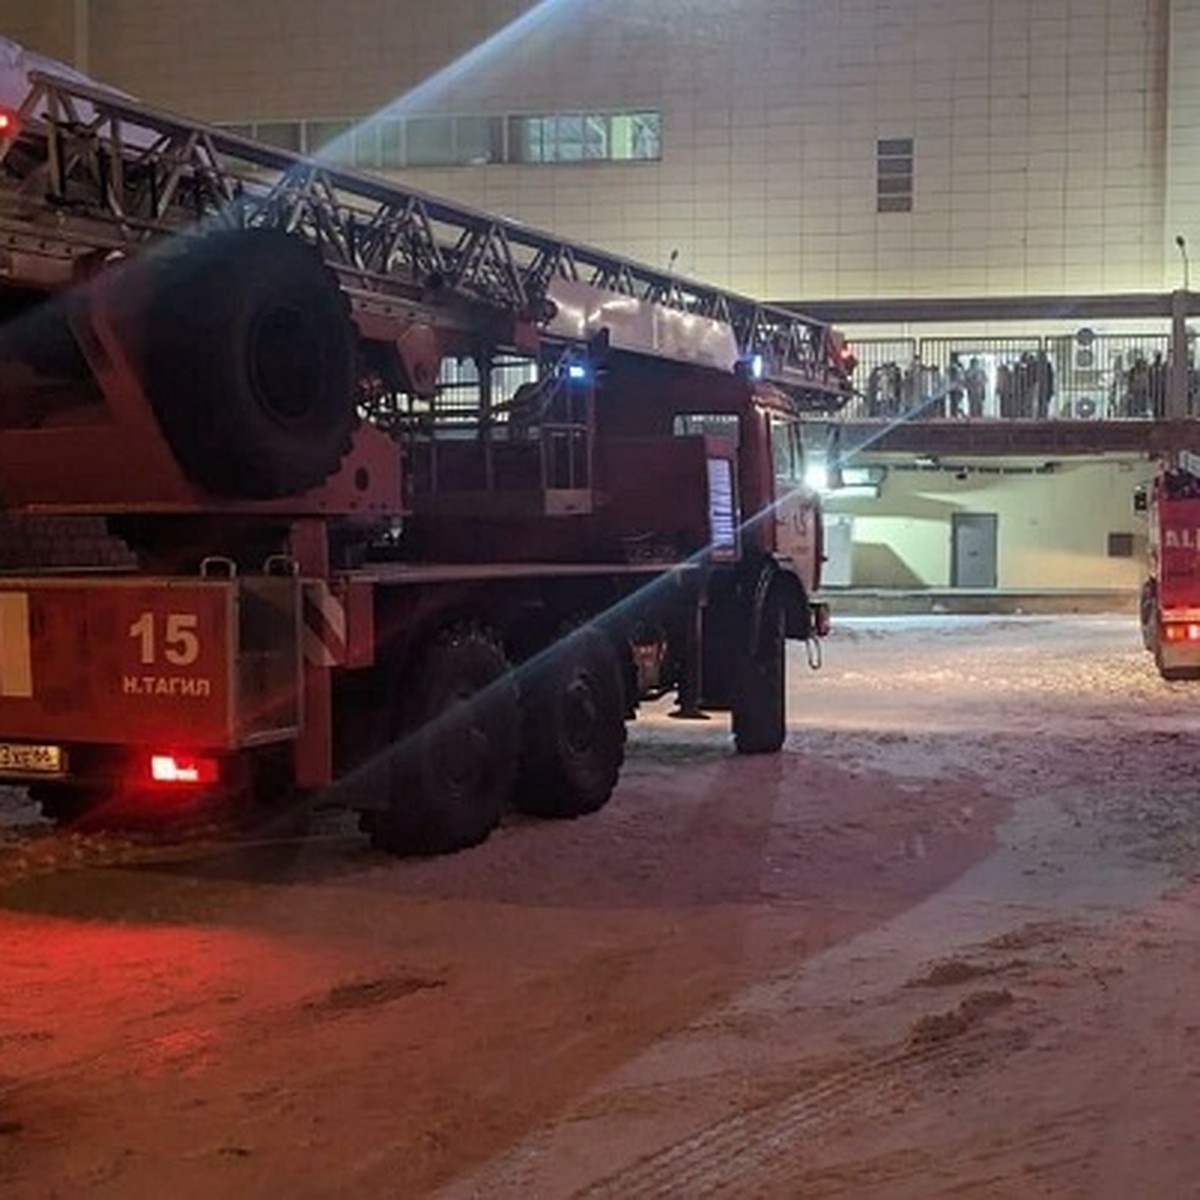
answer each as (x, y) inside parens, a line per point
(416, 504)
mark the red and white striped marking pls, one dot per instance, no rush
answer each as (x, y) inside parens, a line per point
(324, 626)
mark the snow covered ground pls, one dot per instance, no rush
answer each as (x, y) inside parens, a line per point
(945, 945)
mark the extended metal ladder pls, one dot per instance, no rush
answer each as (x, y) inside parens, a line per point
(88, 171)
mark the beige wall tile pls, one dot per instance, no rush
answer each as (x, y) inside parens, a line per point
(1041, 126)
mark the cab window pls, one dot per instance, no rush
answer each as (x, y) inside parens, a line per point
(786, 453)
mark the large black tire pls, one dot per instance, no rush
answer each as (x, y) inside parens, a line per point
(759, 700)
(1180, 674)
(250, 362)
(573, 731)
(270, 808)
(456, 721)
(1148, 614)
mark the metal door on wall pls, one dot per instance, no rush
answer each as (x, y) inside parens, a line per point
(839, 551)
(973, 550)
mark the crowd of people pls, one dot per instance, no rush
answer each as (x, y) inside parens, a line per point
(1025, 386)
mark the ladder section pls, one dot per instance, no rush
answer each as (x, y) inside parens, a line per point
(85, 171)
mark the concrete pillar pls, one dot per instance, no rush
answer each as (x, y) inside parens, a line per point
(1177, 381)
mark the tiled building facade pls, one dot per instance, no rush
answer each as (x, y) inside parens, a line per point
(1051, 140)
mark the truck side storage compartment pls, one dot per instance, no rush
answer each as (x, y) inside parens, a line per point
(150, 666)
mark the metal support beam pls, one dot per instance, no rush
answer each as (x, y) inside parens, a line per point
(1017, 438)
(955, 310)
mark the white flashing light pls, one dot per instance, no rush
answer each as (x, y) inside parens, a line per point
(757, 366)
(816, 476)
(577, 372)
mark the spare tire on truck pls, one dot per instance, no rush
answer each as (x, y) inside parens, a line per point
(250, 362)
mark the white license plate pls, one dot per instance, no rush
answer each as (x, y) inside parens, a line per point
(17, 759)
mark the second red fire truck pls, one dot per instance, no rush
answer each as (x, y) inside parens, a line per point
(1170, 598)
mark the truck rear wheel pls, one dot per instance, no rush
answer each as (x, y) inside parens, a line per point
(250, 362)
(450, 770)
(573, 735)
(759, 701)
(1148, 614)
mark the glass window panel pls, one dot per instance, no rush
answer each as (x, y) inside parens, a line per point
(895, 187)
(569, 128)
(564, 138)
(647, 135)
(576, 137)
(542, 138)
(785, 452)
(621, 135)
(527, 139)
(896, 148)
(518, 139)
(391, 143)
(366, 145)
(331, 140)
(430, 141)
(894, 204)
(477, 139)
(595, 136)
(283, 134)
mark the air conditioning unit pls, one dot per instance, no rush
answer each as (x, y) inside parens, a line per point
(1084, 355)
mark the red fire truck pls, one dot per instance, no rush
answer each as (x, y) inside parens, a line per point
(1170, 599)
(387, 503)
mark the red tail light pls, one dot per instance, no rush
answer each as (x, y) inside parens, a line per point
(183, 768)
(1179, 631)
(8, 123)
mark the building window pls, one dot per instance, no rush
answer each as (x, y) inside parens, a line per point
(585, 137)
(392, 146)
(387, 143)
(284, 135)
(1120, 545)
(430, 142)
(478, 140)
(894, 175)
(637, 135)
(334, 138)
